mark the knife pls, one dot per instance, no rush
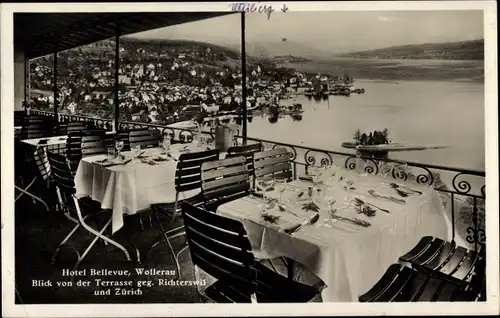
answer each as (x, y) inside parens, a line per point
(294, 229)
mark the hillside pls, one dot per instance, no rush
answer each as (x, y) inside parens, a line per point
(464, 50)
(179, 45)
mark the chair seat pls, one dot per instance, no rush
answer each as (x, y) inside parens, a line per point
(404, 284)
(87, 206)
(442, 258)
(271, 288)
(169, 206)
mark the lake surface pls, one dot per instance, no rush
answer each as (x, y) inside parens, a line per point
(415, 112)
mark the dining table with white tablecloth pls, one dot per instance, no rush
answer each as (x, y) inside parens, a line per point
(346, 248)
(134, 184)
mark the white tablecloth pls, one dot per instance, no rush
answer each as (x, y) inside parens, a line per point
(130, 188)
(40, 151)
(349, 258)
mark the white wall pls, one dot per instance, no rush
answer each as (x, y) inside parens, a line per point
(19, 85)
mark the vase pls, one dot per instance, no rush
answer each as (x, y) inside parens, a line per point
(223, 137)
(198, 135)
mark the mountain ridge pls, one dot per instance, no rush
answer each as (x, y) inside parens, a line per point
(459, 50)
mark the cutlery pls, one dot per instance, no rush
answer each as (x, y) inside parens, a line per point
(393, 199)
(283, 208)
(355, 220)
(140, 155)
(307, 178)
(311, 221)
(169, 155)
(396, 186)
(402, 193)
(118, 164)
(373, 205)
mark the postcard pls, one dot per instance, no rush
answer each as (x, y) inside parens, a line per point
(294, 158)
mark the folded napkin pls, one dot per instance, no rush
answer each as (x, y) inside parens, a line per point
(102, 160)
(116, 163)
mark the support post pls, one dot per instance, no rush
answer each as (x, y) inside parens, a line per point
(243, 80)
(55, 91)
(117, 66)
(26, 83)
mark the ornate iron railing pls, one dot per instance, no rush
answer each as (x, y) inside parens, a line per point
(455, 183)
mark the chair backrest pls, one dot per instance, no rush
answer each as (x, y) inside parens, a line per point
(19, 117)
(188, 170)
(220, 246)
(76, 126)
(94, 144)
(37, 127)
(246, 151)
(30, 161)
(146, 138)
(80, 144)
(61, 174)
(224, 180)
(274, 162)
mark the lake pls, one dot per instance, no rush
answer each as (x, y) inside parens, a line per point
(415, 112)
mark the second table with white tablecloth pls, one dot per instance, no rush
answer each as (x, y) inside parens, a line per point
(349, 258)
(132, 187)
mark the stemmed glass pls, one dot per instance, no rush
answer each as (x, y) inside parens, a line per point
(329, 203)
(315, 173)
(111, 153)
(119, 146)
(137, 151)
(266, 183)
(166, 143)
(284, 185)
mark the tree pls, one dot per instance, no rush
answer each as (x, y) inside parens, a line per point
(364, 139)
(357, 135)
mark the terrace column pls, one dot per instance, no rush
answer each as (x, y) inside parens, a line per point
(243, 80)
(117, 66)
(55, 89)
(19, 73)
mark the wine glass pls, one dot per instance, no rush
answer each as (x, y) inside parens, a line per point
(137, 151)
(266, 183)
(315, 173)
(111, 153)
(388, 167)
(283, 182)
(166, 143)
(329, 203)
(119, 146)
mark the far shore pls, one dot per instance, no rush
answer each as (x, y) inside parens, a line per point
(397, 70)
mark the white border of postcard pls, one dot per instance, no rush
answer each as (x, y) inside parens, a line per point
(9, 309)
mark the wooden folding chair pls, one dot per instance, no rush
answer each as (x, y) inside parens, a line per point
(82, 208)
(220, 247)
(224, 181)
(187, 178)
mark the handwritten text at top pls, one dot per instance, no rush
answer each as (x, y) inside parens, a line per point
(255, 7)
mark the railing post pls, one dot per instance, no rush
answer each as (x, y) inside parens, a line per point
(243, 79)
(55, 91)
(117, 67)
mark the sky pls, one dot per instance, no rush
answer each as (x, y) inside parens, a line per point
(334, 31)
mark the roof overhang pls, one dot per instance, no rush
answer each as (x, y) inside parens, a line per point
(39, 34)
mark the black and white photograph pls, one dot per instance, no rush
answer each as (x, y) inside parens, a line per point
(333, 157)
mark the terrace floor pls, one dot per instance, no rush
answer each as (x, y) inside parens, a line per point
(38, 233)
